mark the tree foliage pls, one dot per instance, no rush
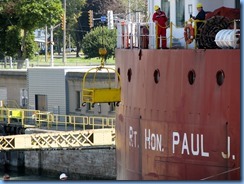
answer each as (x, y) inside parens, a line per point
(35, 14)
(100, 8)
(73, 12)
(27, 15)
(13, 41)
(19, 18)
(99, 37)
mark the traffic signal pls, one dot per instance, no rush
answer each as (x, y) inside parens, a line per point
(62, 22)
(90, 17)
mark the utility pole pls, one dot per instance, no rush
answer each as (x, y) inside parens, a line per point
(51, 46)
(129, 11)
(51, 43)
(64, 34)
(46, 43)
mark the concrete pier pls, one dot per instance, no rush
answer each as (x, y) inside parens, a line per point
(96, 163)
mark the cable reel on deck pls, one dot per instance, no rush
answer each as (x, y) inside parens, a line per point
(101, 95)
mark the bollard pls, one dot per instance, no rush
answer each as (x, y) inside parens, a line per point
(5, 62)
(11, 62)
(20, 64)
(27, 62)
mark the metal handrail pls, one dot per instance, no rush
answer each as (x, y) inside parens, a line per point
(50, 121)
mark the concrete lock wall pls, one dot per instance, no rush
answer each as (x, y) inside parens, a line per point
(82, 164)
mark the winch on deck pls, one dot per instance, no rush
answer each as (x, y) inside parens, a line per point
(101, 95)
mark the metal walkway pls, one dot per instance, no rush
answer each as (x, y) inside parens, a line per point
(61, 131)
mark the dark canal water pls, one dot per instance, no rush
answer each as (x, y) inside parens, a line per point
(22, 175)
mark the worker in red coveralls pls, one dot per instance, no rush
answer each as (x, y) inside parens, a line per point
(159, 17)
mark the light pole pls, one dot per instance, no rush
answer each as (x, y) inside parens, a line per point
(64, 34)
(129, 12)
(51, 45)
(46, 43)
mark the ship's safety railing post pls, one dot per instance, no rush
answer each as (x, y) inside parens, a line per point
(152, 35)
(138, 35)
(237, 24)
(130, 35)
(124, 35)
(237, 31)
(119, 36)
(171, 35)
(197, 31)
(134, 38)
(143, 35)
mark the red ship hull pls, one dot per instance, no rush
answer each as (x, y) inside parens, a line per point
(179, 116)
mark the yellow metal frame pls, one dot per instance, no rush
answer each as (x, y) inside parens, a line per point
(101, 95)
(70, 139)
(87, 131)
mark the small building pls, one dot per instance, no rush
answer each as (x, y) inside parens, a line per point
(54, 89)
(13, 87)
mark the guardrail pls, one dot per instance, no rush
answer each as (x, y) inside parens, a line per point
(47, 120)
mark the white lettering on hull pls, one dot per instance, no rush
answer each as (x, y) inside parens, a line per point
(153, 141)
(227, 155)
(132, 137)
(185, 146)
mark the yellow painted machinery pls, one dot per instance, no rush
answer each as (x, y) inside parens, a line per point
(108, 94)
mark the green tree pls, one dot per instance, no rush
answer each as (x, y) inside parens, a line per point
(99, 37)
(27, 15)
(13, 40)
(35, 14)
(8, 18)
(100, 8)
(73, 12)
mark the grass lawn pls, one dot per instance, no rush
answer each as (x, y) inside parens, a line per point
(71, 60)
(42, 61)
